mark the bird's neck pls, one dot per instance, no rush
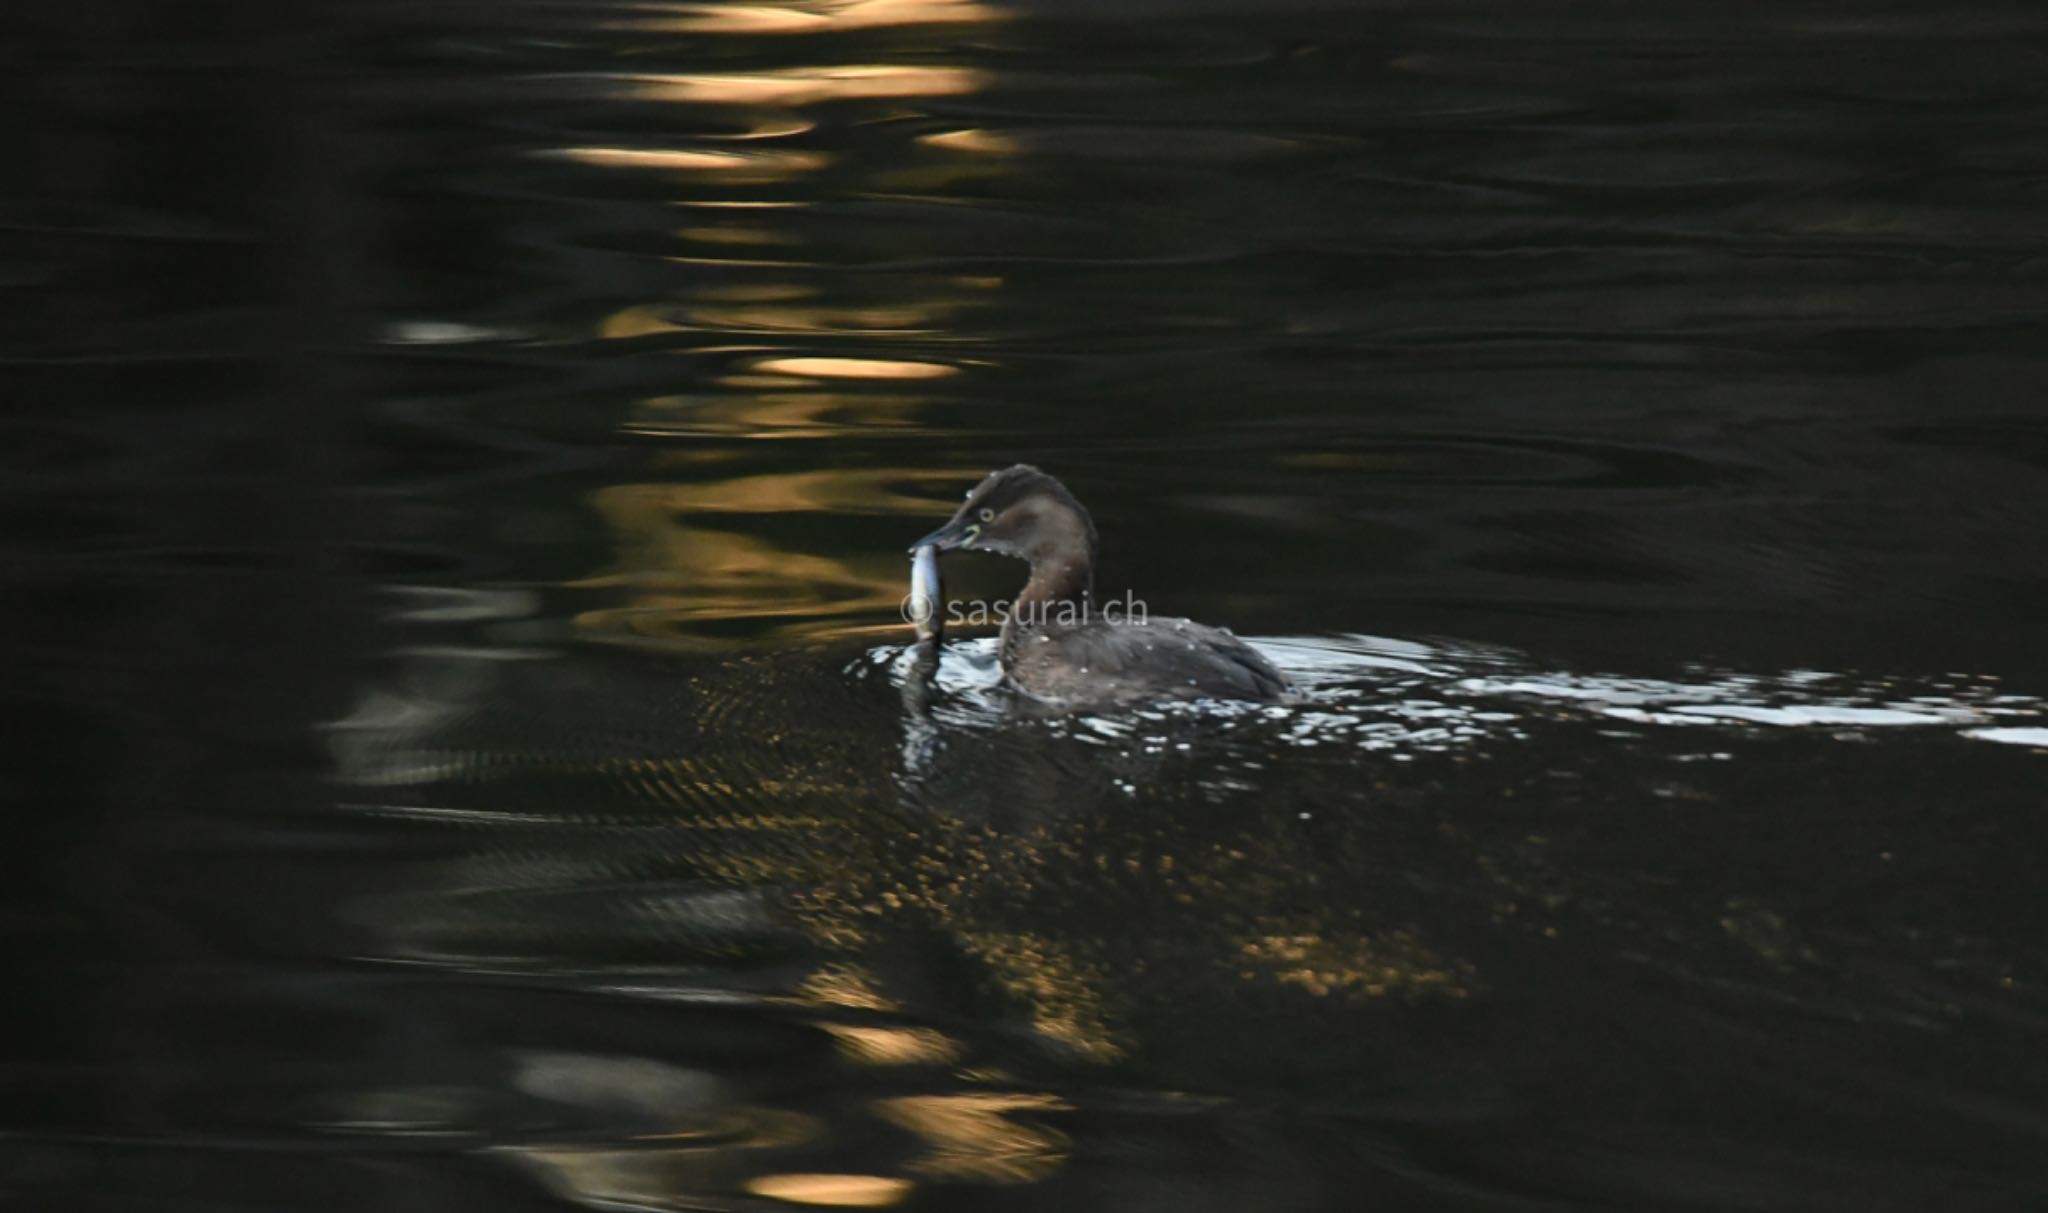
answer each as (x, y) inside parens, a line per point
(1059, 582)
(1060, 591)
(1062, 583)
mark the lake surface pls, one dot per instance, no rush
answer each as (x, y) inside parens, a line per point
(458, 722)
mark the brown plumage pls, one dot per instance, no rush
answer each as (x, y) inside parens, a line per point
(1057, 642)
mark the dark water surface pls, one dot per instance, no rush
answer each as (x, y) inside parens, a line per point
(458, 476)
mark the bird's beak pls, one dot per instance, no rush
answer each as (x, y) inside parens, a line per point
(950, 537)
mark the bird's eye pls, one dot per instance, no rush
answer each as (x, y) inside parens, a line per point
(987, 514)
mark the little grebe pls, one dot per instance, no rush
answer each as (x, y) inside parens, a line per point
(1057, 644)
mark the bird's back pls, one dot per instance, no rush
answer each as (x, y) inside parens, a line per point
(1100, 661)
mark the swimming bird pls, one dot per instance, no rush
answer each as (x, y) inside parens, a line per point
(1058, 643)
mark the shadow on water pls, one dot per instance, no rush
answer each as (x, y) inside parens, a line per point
(458, 690)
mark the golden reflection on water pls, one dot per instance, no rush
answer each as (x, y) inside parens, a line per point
(844, 985)
(801, 86)
(637, 320)
(973, 140)
(894, 1046)
(811, 16)
(750, 165)
(773, 415)
(904, 319)
(1296, 954)
(837, 1191)
(860, 371)
(667, 1171)
(969, 1137)
(676, 567)
(852, 490)
(856, 368)
(735, 234)
(972, 1137)
(1064, 992)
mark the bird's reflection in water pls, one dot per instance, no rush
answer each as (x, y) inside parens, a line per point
(977, 750)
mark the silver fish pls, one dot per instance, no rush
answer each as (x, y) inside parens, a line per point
(926, 594)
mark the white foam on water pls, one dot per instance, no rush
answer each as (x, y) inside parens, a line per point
(1410, 697)
(2026, 737)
